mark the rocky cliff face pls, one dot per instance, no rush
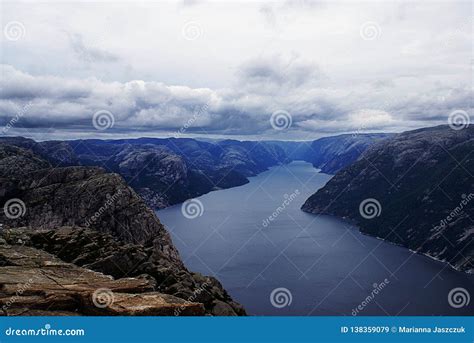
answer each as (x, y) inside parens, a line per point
(415, 189)
(155, 172)
(82, 196)
(109, 225)
(331, 154)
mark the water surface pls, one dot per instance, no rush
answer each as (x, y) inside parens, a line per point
(325, 263)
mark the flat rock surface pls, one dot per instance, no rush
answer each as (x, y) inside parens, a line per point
(33, 282)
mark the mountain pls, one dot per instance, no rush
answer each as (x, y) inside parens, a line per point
(414, 189)
(330, 154)
(72, 195)
(163, 171)
(168, 171)
(58, 153)
(296, 150)
(94, 220)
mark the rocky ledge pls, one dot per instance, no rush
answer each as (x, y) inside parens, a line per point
(79, 271)
(93, 220)
(87, 257)
(33, 282)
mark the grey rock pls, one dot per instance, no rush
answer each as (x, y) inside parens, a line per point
(222, 309)
(423, 182)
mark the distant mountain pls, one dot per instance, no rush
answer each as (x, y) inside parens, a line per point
(58, 153)
(167, 171)
(297, 150)
(331, 154)
(163, 171)
(417, 186)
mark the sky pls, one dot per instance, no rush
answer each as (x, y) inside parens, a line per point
(288, 70)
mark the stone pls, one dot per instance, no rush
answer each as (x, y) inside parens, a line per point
(33, 282)
(222, 309)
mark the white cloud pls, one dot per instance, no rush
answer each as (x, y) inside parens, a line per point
(304, 57)
(369, 118)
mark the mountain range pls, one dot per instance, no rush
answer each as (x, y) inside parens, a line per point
(75, 221)
(80, 213)
(170, 170)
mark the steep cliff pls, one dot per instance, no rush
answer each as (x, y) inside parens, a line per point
(415, 189)
(331, 154)
(109, 224)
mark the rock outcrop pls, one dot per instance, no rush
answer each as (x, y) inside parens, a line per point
(109, 228)
(83, 196)
(103, 253)
(415, 189)
(33, 282)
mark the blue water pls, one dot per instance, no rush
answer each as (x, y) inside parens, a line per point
(325, 264)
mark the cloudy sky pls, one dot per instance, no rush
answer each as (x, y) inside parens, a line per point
(245, 69)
